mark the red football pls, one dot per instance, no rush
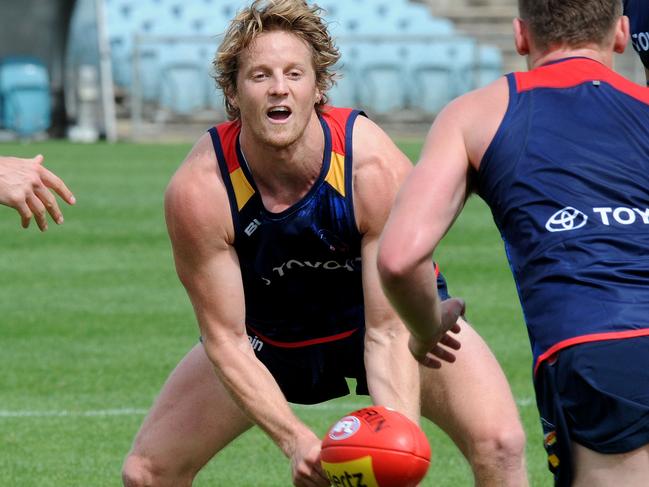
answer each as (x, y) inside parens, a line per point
(375, 447)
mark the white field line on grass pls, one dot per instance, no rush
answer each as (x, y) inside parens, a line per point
(522, 402)
(72, 413)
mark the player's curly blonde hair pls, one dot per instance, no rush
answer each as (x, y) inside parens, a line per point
(573, 23)
(294, 16)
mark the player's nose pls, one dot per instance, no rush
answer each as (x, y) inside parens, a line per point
(278, 86)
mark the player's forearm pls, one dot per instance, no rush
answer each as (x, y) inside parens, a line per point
(413, 294)
(392, 373)
(255, 390)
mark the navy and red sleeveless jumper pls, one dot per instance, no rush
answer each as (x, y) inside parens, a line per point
(567, 179)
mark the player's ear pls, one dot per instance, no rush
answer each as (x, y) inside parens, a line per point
(622, 34)
(232, 100)
(521, 37)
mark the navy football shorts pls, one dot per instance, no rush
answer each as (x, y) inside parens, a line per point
(318, 373)
(315, 373)
(597, 395)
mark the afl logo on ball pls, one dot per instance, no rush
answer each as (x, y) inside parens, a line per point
(345, 428)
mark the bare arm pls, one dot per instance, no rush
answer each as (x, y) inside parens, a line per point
(380, 168)
(200, 228)
(25, 186)
(428, 203)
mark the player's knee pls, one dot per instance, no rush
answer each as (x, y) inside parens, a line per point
(137, 472)
(501, 448)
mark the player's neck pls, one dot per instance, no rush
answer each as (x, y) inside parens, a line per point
(284, 174)
(539, 58)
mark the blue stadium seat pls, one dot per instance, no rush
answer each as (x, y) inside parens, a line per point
(344, 92)
(164, 66)
(25, 95)
(413, 19)
(382, 76)
(343, 23)
(213, 95)
(427, 56)
(178, 70)
(123, 21)
(182, 87)
(440, 71)
(490, 65)
(367, 60)
(390, 65)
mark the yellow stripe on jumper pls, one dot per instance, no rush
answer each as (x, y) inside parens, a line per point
(336, 175)
(243, 191)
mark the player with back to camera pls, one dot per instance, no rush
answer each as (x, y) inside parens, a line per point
(638, 13)
(274, 220)
(25, 186)
(561, 155)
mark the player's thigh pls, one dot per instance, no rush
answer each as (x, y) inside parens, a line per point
(191, 420)
(594, 469)
(470, 399)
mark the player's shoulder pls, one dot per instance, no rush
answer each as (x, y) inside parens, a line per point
(377, 158)
(379, 169)
(374, 149)
(486, 102)
(196, 192)
(196, 170)
(473, 119)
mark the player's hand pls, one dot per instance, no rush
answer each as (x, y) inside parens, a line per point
(305, 462)
(25, 185)
(433, 352)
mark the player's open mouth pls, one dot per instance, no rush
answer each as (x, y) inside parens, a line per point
(279, 114)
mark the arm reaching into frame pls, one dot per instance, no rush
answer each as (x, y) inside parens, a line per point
(25, 185)
(426, 207)
(392, 375)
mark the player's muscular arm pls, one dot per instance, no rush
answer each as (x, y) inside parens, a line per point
(434, 193)
(379, 169)
(200, 227)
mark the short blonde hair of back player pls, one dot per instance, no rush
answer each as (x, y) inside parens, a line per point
(571, 23)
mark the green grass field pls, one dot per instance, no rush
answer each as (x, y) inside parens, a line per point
(93, 318)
